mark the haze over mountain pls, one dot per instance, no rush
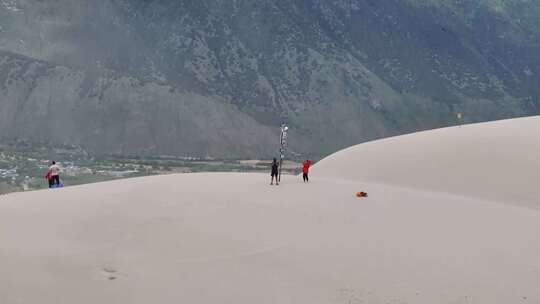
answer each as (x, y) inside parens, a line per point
(217, 77)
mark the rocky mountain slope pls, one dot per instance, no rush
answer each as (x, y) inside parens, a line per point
(217, 77)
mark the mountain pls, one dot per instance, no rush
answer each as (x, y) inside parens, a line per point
(217, 77)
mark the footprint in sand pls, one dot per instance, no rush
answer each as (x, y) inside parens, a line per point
(110, 273)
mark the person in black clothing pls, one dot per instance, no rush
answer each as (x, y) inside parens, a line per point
(274, 172)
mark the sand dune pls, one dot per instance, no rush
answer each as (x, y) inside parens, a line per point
(232, 238)
(498, 161)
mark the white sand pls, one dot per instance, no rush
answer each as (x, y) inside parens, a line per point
(231, 238)
(498, 161)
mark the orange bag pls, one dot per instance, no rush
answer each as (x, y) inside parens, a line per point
(361, 194)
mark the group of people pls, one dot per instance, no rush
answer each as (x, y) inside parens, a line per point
(53, 173)
(275, 171)
(53, 176)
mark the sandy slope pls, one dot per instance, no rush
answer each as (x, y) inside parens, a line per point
(231, 238)
(496, 160)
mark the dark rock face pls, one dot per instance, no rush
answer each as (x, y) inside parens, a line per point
(216, 77)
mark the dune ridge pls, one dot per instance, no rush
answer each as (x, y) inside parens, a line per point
(497, 161)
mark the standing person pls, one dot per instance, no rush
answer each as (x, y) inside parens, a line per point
(55, 173)
(49, 178)
(274, 172)
(305, 170)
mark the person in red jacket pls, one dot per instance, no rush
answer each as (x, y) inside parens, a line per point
(49, 177)
(305, 170)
